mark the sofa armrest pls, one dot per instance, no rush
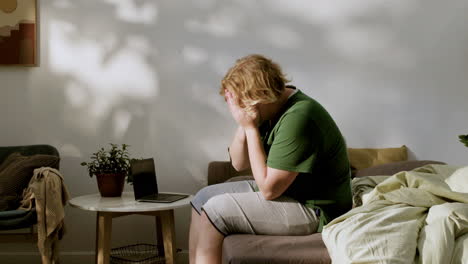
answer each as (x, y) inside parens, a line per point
(221, 171)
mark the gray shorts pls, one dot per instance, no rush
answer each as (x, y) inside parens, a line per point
(235, 208)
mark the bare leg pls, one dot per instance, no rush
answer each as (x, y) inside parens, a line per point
(209, 245)
(193, 235)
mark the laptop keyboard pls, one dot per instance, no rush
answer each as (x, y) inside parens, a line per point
(164, 195)
(160, 196)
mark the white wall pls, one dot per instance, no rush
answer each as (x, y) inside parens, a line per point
(147, 73)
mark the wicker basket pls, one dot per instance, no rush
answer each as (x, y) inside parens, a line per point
(137, 253)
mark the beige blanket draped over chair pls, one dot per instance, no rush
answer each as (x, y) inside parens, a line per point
(48, 194)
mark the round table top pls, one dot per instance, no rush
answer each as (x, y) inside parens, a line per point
(125, 203)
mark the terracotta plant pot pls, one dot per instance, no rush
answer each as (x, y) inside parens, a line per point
(110, 184)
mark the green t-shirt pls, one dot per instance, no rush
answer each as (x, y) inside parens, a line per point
(305, 139)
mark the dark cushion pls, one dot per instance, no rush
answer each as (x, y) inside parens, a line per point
(15, 176)
(15, 219)
(12, 214)
(14, 157)
(394, 167)
(258, 249)
(28, 150)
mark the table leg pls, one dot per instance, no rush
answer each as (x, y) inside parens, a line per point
(103, 237)
(159, 235)
(167, 224)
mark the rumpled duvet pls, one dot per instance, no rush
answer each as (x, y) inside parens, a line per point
(419, 216)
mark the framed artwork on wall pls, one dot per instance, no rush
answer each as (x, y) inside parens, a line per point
(18, 32)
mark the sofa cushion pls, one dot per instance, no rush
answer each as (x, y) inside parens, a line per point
(16, 172)
(394, 167)
(14, 157)
(261, 249)
(28, 150)
(241, 178)
(361, 158)
(16, 219)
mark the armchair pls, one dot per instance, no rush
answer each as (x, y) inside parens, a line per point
(15, 220)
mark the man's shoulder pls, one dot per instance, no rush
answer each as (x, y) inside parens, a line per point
(304, 107)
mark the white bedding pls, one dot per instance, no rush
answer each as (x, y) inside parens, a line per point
(410, 217)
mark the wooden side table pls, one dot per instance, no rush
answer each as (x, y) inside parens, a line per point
(107, 208)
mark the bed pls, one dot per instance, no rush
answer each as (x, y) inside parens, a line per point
(244, 248)
(416, 216)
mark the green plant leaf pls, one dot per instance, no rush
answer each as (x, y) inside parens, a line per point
(113, 160)
(464, 139)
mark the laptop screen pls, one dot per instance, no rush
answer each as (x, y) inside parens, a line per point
(144, 177)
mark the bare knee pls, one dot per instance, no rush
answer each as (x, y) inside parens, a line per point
(205, 221)
(209, 247)
(195, 215)
(207, 225)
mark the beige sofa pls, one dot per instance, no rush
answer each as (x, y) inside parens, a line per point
(259, 249)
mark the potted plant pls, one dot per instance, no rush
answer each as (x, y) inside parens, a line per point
(464, 139)
(111, 167)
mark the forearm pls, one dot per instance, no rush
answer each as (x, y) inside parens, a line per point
(257, 158)
(271, 182)
(238, 150)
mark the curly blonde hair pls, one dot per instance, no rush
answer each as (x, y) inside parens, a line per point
(254, 79)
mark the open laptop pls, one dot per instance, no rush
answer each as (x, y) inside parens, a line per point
(145, 186)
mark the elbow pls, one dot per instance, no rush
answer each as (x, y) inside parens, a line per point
(238, 167)
(269, 191)
(269, 195)
(235, 166)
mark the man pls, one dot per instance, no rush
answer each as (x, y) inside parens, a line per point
(297, 156)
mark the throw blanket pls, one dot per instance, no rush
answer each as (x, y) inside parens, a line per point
(362, 186)
(419, 216)
(49, 195)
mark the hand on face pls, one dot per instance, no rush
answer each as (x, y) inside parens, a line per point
(243, 118)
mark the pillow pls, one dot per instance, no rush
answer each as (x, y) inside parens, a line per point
(361, 158)
(394, 167)
(10, 158)
(16, 172)
(458, 181)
